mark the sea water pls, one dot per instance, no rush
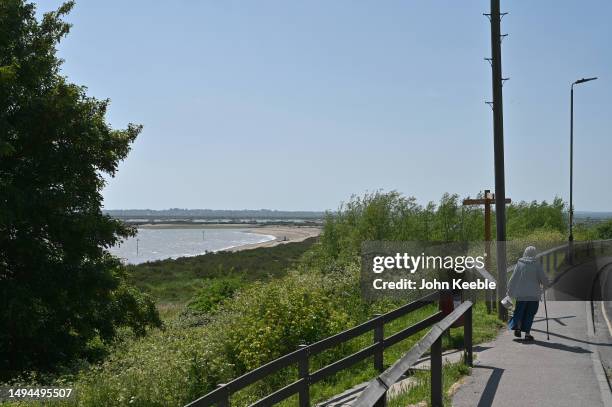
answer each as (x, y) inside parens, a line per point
(165, 243)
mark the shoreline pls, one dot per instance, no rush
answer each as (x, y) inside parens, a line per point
(282, 235)
(278, 235)
(171, 225)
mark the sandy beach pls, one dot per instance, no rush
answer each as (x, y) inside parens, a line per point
(283, 235)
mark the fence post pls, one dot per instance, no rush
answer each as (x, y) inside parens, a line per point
(379, 337)
(382, 401)
(225, 401)
(436, 373)
(304, 374)
(488, 298)
(467, 336)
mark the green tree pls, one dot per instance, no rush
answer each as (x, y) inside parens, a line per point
(524, 218)
(60, 289)
(392, 216)
(215, 292)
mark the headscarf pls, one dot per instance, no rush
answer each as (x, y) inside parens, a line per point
(530, 252)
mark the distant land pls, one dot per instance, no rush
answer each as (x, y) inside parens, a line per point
(177, 215)
(592, 217)
(259, 216)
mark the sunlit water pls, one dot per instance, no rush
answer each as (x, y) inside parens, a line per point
(158, 244)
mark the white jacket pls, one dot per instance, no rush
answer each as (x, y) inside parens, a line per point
(524, 285)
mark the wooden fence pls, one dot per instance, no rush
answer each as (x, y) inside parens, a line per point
(301, 357)
(375, 394)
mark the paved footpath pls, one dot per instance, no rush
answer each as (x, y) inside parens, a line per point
(563, 371)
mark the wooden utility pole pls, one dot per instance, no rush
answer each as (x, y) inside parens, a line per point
(498, 145)
(487, 201)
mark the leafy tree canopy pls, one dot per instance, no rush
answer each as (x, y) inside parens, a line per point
(60, 289)
(392, 216)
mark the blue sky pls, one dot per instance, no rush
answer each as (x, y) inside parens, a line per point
(297, 105)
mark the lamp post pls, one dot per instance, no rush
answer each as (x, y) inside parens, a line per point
(571, 203)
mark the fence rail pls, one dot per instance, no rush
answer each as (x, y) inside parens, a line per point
(301, 357)
(550, 259)
(375, 393)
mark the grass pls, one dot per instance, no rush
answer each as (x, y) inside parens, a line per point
(451, 373)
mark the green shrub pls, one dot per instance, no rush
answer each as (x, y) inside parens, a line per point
(175, 365)
(214, 292)
(604, 231)
(268, 320)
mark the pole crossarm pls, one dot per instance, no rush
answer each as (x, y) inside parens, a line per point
(487, 201)
(483, 201)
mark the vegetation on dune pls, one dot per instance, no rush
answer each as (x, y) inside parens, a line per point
(176, 365)
(261, 320)
(173, 366)
(214, 293)
(178, 281)
(247, 308)
(266, 319)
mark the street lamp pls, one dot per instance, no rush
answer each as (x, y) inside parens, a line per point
(571, 207)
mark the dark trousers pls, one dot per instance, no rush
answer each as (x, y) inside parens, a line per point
(523, 315)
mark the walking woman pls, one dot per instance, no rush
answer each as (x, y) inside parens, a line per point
(524, 286)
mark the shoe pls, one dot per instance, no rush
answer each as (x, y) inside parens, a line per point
(529, 337)
(517, 333)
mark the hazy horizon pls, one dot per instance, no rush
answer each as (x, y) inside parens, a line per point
(576, 213)
(300, 105)
(294, 210)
